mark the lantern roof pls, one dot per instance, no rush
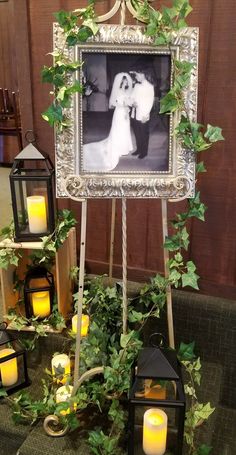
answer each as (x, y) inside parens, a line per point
(30, 152)
(38, 271)
(5, 336)
(156, 363)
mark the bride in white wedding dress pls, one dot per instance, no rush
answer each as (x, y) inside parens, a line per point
(104, 155)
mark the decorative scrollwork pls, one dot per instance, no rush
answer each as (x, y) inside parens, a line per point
(111, 13)
(52, 425)
(87, 375)
(53, 428)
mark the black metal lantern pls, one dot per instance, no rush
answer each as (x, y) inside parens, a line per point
(32, 192)
(13, 363)
(156, 404)
(38, 292)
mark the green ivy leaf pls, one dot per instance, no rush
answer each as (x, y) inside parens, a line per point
(196, 207)
(125, 339)
(53, 114)
(190, 279)
(58, 80)
(183, 71)
(174, 277)
(92, 25)
(186, 351)
(200, 167)
(84, 33)
(203, 450)
(47, 74)
(3, 393)
(66, 20)
(162, 39)
(152, 28)
(75, 88)
(183, 7)
(72, 39)
(169, 103)
(202, 412)
(214, 134)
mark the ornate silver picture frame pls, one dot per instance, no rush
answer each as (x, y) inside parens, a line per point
(118, 145)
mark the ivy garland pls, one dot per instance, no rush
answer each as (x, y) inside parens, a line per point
(50, 244)
(104, 344)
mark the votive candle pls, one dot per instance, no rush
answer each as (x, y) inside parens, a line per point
(61, 361)
(64, 394)
(84, 324)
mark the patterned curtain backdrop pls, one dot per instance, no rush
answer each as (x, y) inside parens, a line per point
(213, 243)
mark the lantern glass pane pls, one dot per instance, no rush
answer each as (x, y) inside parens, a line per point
(154, 389)
(38, 293)
(38, 283)
(32, 206)
(172, 428)
(12, 370)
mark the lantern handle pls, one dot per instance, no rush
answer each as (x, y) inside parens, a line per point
(160, 340)
(30, 137)
(3, 326)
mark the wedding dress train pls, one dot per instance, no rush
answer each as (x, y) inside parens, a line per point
(104, 155)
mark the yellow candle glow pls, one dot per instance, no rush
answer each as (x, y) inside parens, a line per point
(41, 304)
(61, 361)
(63, 394)
(84, 324)
(8, 369)
(37, 215)
(154, 432)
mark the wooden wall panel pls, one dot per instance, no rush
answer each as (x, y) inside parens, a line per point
(8, 76)
(212, 243)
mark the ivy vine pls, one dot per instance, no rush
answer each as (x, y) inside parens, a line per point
(50, 244)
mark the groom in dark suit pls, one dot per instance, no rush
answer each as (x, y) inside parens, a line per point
(142, 102)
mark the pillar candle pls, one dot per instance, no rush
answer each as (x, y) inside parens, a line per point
(37, 215)
(8, 369)
(41, 304)
(64, 394)
(61, 361)
(84, 324)
(154, 432)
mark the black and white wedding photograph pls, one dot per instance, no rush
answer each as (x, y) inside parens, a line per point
(122, 130)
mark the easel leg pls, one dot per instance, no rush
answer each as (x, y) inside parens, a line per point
(81, 289)
(124, 265)
(113, 225)
(168, 290)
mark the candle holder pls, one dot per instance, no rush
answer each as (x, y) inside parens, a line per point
(32, 193)
(13, 362)
(156, 403)
(39, 292)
